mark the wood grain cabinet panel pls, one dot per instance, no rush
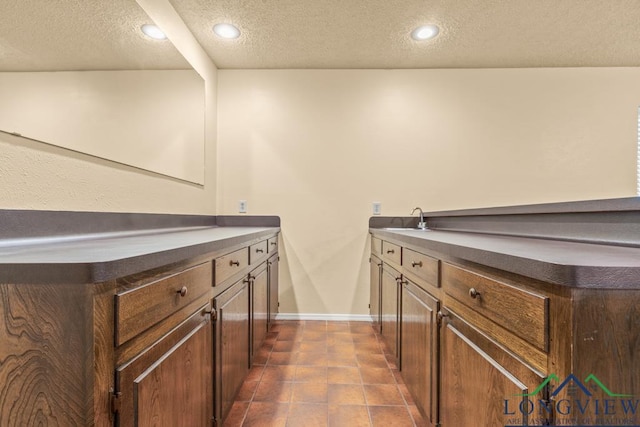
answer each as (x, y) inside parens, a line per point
(272, 245)
(423, 267)
(376, 246)
(258, 252)
(171, 382)
(231, 345)
(419, 353)
(524, 313)
(140, 308)
(389, 309)
(375, 266)
(391, 253)
(274, 289)
(259, 280)
(231, 264)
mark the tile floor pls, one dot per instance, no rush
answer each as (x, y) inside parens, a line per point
(318, 373)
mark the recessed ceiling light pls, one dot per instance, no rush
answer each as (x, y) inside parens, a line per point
(226, 31)
(425, 32)
(153, 31)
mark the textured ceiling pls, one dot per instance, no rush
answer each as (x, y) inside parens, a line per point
(103, 34)
(56, 35)
(375, 33)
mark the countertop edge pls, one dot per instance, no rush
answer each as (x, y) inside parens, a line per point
(576, 276)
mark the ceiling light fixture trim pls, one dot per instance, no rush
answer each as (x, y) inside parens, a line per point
(226, 31)
(153, 31)
(425, 32)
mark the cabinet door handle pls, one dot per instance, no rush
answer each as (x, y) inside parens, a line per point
(473, 293)
(416, 264)
(259, 250)
(182, 291)
(390, 251)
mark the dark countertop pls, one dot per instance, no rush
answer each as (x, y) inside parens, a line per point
(575, 264)
(98, 257)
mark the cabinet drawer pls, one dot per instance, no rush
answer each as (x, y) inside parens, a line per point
(138, 309)
(257, 252)
(519, 311)
(230, 264)
(391, 252)
(272, 245)
(376, 246)
(424, 267)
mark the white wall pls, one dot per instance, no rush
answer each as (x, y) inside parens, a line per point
(318, 146)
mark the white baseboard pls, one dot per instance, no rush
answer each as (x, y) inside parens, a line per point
(319, 316)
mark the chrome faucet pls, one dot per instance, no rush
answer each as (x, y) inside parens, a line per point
(422, 224)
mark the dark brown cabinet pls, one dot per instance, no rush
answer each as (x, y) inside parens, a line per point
(483, 384)
(419, 347)
(389, 309)
(231, 344)
(375, 266)
(259, 281)
(273, 268)
(170, 383)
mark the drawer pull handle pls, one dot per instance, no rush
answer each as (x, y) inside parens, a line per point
(390, 251)
(183, 291)
(416, 264)
(473, 293)
(259, 250)
(273, 243)
(236, 263)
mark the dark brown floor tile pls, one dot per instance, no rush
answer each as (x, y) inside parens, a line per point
(285, 346)
(371, 360)
(311, 374)
(367, 348)
(346, 394)
(236, 414)
(404, 391)
(313, 346)
(361, 327)
(340, 337)
(340, 359)
(309, 393)
(278, 373)
(245, 394)
(376, 375)
(341, 348)
(314, 336)
(418, 419)
(349, 416)
(385, 416)
(282, 358)
(308, 415)
(343, 375)
(311, 359)
(262, 356)
(255, 373)
(338, 327)
(315, 325)
(266, 414)
(383, 394)
(277, 391)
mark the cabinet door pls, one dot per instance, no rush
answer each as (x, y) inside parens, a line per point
(260, 306)
(170, 383)
(232, 344)
(482, 384)
(374, 293)
(419, 343)
(390, 290)
(273, 288)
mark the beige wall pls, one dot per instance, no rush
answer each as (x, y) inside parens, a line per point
(318, 146)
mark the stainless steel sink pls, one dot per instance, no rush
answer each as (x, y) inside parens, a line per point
(405, 229)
